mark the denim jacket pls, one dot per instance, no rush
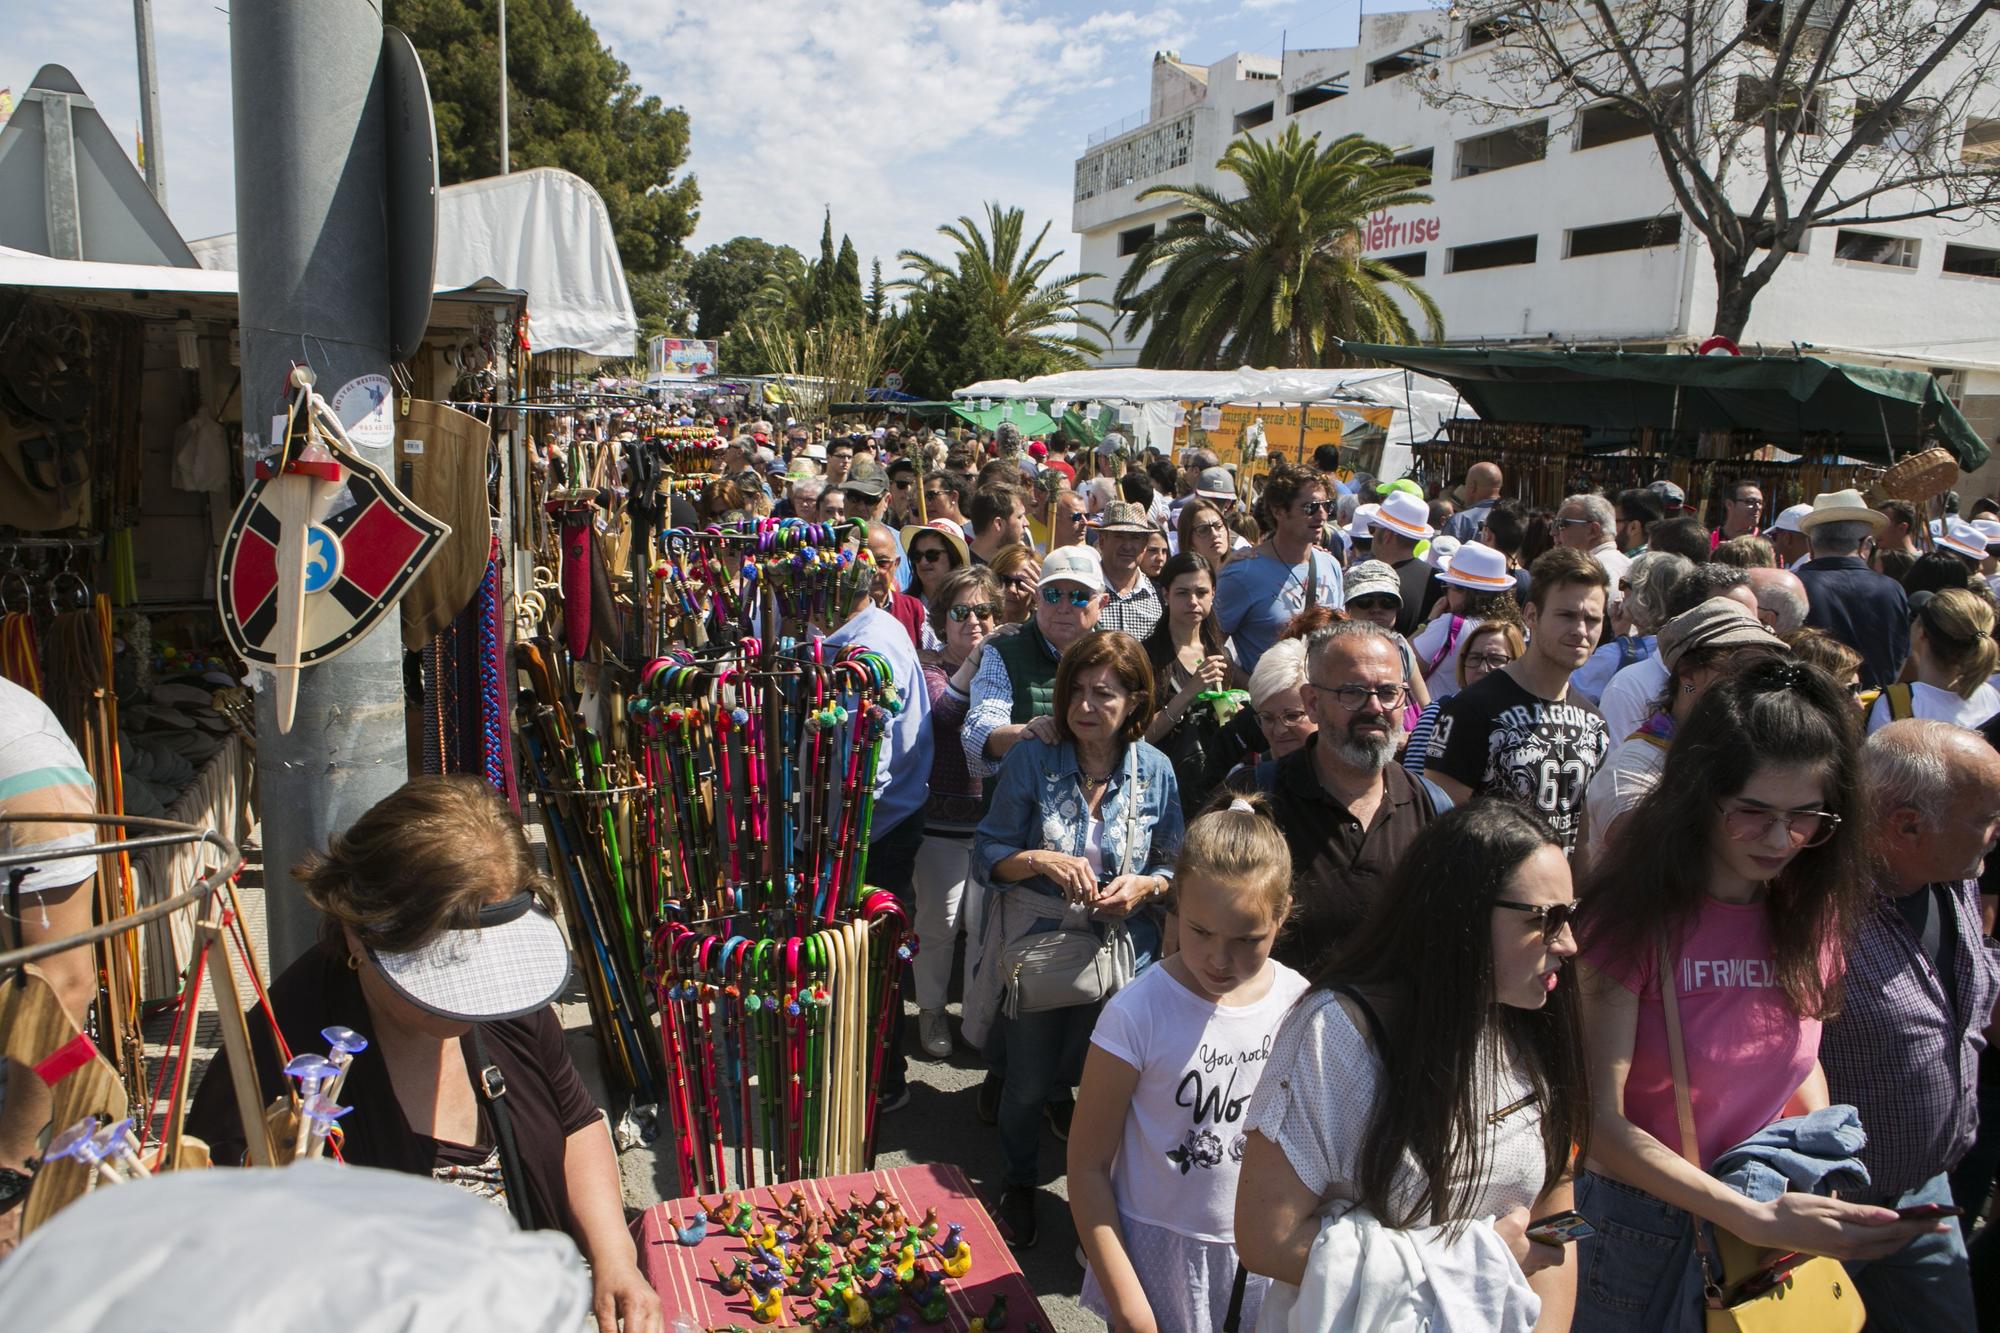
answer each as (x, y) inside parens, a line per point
(1039, 806)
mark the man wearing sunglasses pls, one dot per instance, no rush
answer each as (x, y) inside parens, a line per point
(1521, 731)
(1921, 979)
(1016, 681)
(1256, 596)
(1347, 809)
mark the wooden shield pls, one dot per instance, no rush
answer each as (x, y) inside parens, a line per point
(364, 544)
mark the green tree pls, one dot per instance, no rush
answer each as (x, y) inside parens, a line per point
(878, 297)
(571, 104)
(997, 282)
(818, 309)
(848, 307)
(952, 344)
(725, 282)
(1276, 276)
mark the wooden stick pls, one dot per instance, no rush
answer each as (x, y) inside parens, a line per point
(291, 501)
(236, 1044)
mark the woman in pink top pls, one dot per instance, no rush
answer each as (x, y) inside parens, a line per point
(1747, 880)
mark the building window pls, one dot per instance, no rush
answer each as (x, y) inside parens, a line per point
(1972, 261)
(1186, 220)
(1255, 116)
(1485, 31)
(1131, 242)
(1764, 23)
(1515, 146)
(1317, 95)
(1412, 265)
(1982, 141)
(1419, 157)
(1870, 247)
(1402, 62)
(1491, 254)
(1597, 126)
(1784, 106)
(1612, 237)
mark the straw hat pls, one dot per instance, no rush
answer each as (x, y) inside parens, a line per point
(1478, 566)
(954, 537)
(1842, 507)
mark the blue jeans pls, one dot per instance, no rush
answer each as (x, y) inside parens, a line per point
(1924, 1286)
(1043, 1053)
(1639, 1271)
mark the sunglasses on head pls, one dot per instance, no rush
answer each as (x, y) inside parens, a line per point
(1553, 916)
(967, 610)
(1078, 597)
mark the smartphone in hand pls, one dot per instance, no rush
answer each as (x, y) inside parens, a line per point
(1560, 1229)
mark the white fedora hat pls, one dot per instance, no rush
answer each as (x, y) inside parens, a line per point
(1478, 566)
(1961, 538)
(1361, 528)
(1405, 515)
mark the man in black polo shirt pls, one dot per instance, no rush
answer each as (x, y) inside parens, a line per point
(1347, 809)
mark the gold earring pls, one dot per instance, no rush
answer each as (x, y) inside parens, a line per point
(354, 962)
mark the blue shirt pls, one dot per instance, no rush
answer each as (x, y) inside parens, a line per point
(1590, 679)
(903, 773)
(1038, 806)
(1257, 595)
(1864, 610)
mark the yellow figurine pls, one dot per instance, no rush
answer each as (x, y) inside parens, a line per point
(858, 1313)
(768, 1307)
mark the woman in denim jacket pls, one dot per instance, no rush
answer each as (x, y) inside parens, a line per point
(1082, 833)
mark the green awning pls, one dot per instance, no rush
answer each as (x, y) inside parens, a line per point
(1028, 418)
(1873, 414)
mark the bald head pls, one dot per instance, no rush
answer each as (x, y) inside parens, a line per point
(1935, 791)
(1482, 482)
(1781, 600)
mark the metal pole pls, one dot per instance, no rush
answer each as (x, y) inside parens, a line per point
(504, 155)
(311, 200)
(149, 101)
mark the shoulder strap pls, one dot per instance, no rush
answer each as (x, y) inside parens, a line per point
(1375, 1029)
(492, 1087)
(1450, 638)
(1440, 800)
(1902, 703)
(1684, 1113)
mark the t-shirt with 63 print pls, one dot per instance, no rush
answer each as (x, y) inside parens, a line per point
(1499, 739)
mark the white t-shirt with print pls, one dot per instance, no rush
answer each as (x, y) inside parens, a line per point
(1198, 1063)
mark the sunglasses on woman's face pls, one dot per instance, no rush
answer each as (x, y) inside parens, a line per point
(924, 555)
(1374, 604)
(1553, 916)
(965, 611)
(1078, 597)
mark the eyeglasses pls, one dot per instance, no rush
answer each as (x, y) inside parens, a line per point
(1314, 508)
(1078, 597)
(1351, 697)
(1555, 917)
(1758, 503)
(965, 611)
(928, 554)
(1021, 583)
(1291, 719)
(1210, 529)
(1576, 522)
(1491, 661)
(1804, 828)
(933, 497)
(1374, 604)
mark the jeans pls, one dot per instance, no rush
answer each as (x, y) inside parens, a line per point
(892, 860)
(945, 903)
(1639, 1271)
(1043, 1054)
(1924, 1286)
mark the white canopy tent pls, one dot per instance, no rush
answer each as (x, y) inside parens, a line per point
(1420, 404)
(542, 231)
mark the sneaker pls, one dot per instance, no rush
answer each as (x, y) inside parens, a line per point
(934, 1031)
(988, 1105)
(1058, 1114)
(1017, 1214)
(885, 1102)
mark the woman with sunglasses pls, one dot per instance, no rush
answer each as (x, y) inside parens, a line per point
(1491, 645)
(1257, 594)
(1020, 574)
(1748, 920)
(1203, 528)
(963, 611)
(934, 550)
(1190, 659)
(1433, 1079)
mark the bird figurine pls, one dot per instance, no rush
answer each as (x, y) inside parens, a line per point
(930, 1223)
(935, 1306)
(695, 1232)
(957, 1255)
(859, 1315)
(731, 1281)
(767, 1303)
(996, 1313)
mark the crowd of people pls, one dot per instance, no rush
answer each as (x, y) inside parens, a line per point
(1402, 903)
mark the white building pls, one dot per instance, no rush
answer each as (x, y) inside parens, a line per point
(1560, 231)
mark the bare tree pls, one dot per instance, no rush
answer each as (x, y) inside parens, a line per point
(1771, 118)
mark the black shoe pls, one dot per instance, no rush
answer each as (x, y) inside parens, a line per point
(988, 1104)
(1017, 1214)
(1059, 1114)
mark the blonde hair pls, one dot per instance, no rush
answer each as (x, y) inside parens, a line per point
(1238, 843)
(1958, 626)
(1507, 629)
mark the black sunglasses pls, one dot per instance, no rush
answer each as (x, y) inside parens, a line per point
(1553, 916)
(967, 610)
(928, 554)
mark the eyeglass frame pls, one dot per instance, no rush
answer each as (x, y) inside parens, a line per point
(930, 553)
(1290, 719)
(1491, 661)
(1401, 688)
(1554, 917)
(1078, 597)
(965, 611)
(1831, 825)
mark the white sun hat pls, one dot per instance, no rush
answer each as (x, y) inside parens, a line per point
(513, 962)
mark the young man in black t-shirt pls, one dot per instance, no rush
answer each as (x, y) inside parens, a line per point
(1520, 731)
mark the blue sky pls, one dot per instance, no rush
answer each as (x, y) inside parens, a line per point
(901, 114)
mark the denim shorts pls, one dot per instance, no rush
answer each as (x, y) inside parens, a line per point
(1639, 1272)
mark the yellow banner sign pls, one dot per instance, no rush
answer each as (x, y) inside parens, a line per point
(1358, 429)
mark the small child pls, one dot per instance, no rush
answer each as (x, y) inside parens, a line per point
(1157, 1140)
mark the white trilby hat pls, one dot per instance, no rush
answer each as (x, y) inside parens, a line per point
(1478, 566)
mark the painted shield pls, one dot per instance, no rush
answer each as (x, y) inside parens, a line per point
(364, 544)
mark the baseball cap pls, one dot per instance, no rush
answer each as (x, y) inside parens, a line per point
(513, 961)
(1373, 578)
(1073, 564)
(1215, 483)
(1788, 521)
(1671, 496)
(867, 479)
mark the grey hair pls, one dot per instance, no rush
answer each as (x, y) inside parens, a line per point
(1196, 460)
(1908, 765)
(1841, 538)
(1320, 639)
(807, 488)
(1597, 509)
(1786, 601)
(1281, 668)
(1653, 576)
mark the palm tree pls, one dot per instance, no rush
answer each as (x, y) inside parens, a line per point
(1277, 277)
(1041, 322)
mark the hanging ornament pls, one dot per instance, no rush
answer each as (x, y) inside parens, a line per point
(1211, 417)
